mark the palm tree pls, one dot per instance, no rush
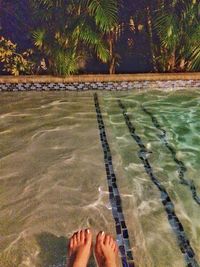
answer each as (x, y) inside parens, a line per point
(71, 29)
(178, 28)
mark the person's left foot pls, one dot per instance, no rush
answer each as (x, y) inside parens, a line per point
(80, 248)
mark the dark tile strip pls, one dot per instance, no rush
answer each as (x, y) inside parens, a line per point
(175, 223)
(101, 85)
(114, 195)
(181, 166)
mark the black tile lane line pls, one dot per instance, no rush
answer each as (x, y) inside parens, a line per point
(175, 223)
(114, 195)
(180, 164)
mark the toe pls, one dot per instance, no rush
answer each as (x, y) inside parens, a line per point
(71, 243)
(78, 236)
(107, 240)
(82, 236)
(88, 236)
(75, 241)
(100, 238)
(116, 248)
(111, 241)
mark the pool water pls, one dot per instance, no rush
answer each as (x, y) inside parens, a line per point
(53, 177)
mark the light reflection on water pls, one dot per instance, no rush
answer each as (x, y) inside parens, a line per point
(52, 177)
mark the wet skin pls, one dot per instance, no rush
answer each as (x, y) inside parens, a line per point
(80, 247)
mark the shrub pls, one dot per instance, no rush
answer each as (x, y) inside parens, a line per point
(12, 61)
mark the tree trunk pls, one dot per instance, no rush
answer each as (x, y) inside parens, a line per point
(112, 66)
(150, 34)
(172, 62)
(112, 61)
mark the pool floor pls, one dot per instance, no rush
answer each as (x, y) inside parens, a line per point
(123, 162)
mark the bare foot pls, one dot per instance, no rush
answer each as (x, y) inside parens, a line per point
(80, 248)
(106, 251)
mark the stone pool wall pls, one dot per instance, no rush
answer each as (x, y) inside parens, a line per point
(100, 82)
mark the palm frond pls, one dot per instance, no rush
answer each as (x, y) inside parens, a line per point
(65, 62)
(167, 28)
(195, 59)
(71, 27)
(193, 49)
(39, 37)
(90, 38)
(105, 13)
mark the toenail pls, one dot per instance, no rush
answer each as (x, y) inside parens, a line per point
(102, 233)
(88, 231)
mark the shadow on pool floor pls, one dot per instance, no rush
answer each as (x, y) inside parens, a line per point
(53, 251)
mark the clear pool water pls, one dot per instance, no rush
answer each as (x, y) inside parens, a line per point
(53, 177)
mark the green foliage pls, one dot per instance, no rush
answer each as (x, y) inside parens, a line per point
(70, 28)
(168, 30)
(193, 46)
(62, 60)
(104, 13)
(86, 34)
(178, 28)
(66, 33)
(66, 62)
(39, 37)
(13, 62)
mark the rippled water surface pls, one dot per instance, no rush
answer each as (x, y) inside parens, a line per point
(53, 179)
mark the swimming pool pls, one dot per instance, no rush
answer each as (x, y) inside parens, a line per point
(122, 162)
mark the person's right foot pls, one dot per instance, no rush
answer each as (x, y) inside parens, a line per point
(106, 251)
